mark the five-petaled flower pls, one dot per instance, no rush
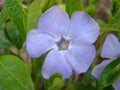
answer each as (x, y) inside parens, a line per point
(110, 49)
(70, 42)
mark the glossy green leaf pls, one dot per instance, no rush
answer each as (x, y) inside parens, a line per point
(14, 74)
(3, 16)
(35, 10)
(110, 73)
(73, 5)
(12, 34)
(4, 42)
(17, 15)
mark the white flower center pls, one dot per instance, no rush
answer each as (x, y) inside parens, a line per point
(63, 43)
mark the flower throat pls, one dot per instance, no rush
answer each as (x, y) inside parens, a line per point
(63, 44)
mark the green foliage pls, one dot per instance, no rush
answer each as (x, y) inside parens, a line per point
(14, 74)
(73, 5)
(7, 52)
(110, 73)
(47, 4)
(17, 15)
(115, 7)
(4, 42)
(91, 10)
(115, 12)
(118, 36)
(13, 35)
(3, 15)
(34, 13)
(81, 86)
(35, 10)
(40, 61)
(54, 83)
(106, 27)
(93, 1)
(57, 84)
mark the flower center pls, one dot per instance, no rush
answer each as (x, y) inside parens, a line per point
(63, 44)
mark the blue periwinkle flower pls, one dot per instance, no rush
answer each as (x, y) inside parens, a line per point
(69, 41)
(110, 49)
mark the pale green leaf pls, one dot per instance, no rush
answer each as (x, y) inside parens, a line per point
(55, 82)
(14, 74)
(73, 5)
(34, 13)
(35, 10)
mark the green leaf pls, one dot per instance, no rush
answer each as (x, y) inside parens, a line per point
(35, 10)
(4, 42)
(3, 16)
(115, 12)
(110, 73)
(105, 27)
(91, 10)
(109, 27)
(17, 15)
(14, 36)
(14, 74)
(115, 7)
(115, 19)
(55, 82)
(81, 86)
(73, 5)
(34, 13)
(47, 4)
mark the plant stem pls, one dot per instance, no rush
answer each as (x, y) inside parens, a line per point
(35, 73)
(99, 45)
